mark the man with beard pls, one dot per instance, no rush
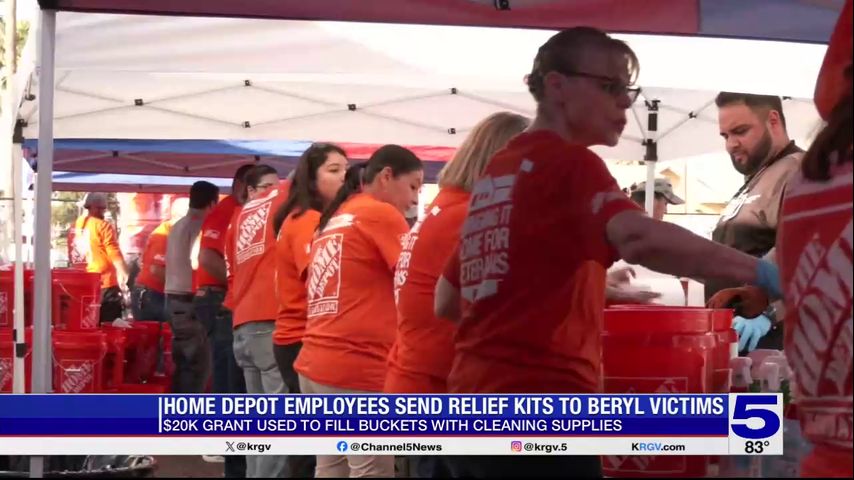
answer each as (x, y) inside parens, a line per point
(754, 129)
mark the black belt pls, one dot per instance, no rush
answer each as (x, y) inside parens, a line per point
(213, 288)
(187, 297)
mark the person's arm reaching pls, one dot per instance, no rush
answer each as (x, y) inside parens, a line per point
(668, 248)
(111, 246)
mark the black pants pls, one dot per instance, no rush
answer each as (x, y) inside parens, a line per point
(112, 305)
(524, 466)
(226, 376)
(301, 466)
(190, 348)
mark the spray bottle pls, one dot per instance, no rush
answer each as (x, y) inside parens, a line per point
(738, 466)
(795, 447)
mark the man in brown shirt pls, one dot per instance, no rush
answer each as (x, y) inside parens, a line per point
(754, 129)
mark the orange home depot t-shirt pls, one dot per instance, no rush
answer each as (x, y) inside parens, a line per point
(228, 302)
(254, 259)
(352, 319)
(532, 260)
(292, 257)
(815, 248)
(154, 255)
(96, 241)
(213, 237)
(422, 354)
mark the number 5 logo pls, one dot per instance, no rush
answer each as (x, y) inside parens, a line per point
(762, 407)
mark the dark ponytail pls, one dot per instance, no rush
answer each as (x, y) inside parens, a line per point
(399, 159)
(834, 140)
(255, 174)
(303, 194)
(352, 185)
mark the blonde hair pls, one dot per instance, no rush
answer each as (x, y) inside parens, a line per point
(485, 140)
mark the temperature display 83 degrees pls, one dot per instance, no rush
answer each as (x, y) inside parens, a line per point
(756, 424)
(756, 446)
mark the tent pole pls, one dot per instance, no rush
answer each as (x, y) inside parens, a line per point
(651, 156)
(18, 368)
(12, 148)
(42, 354)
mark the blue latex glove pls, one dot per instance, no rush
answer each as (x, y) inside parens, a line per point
(768, 279)
(750, 330)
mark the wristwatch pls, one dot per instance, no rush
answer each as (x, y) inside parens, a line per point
(771, 313)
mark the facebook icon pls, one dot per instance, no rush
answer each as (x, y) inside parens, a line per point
(342, 446)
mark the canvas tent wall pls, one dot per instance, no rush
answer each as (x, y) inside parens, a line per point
(792, 20)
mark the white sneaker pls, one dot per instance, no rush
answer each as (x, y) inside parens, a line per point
(213, 458)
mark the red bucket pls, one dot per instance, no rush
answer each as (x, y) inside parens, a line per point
(167, 350)
(78, 361)
(143, 362)
(76, 299)
(656, 349)
(7, 298)
(115, 358)
(7, 360)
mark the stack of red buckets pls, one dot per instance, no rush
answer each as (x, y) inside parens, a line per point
(87, 358)
(657, 349)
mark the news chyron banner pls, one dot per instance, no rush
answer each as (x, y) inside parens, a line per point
(735, 424)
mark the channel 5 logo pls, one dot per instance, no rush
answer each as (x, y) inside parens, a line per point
(755, 417)
(516, 446)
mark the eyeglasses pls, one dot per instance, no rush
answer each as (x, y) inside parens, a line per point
(612, 86)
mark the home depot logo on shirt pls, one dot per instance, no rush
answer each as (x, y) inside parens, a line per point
(818, 254)
(324, 281)
(324, 274)
(252, 231)
(486, 238)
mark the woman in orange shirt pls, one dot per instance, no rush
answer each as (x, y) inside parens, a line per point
(545, 223)
(317, 179)
(254, 282)
(422, 354)
(351, 313)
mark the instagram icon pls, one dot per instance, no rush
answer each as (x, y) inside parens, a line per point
(516, 446)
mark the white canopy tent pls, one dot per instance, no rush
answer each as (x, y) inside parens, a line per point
(148, 77)
(157, 77)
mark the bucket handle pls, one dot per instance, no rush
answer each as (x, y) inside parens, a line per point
(65, 290)
(72, 369)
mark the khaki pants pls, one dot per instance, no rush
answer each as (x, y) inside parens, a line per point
(347, 466)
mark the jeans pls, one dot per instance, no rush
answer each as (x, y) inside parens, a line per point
(190, 350)
(428, 467)
(148, 304)
(253, 350)
(227, 377)
(301, 466)
(347, 466)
